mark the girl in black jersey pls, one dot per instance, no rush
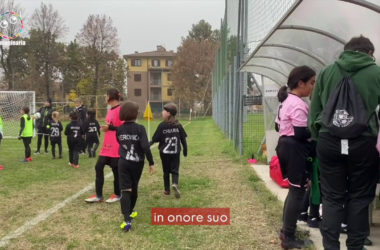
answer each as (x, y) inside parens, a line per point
(170, 135)
(56, 134)
(74, 133)
(92, 130)
(134, 146)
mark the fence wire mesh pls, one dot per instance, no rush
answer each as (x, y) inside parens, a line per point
(238, 106)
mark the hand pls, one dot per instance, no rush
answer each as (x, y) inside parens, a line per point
(19, 137)
(104, 128)
(308, 184)
(151, 169)
(184, 154)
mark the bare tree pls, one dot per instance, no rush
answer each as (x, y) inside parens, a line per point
(99, 37)
(49, 26)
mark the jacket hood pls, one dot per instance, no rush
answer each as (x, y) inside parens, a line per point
(352, 61)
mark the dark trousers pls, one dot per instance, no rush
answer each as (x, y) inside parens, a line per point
(99, 169)
(92, 146)
(352, 177)
(292, 209)
(42, 133)
(73, 152)
(129, 177)
(170, 165)
(56, 142)
(314, 209)
(27, 141)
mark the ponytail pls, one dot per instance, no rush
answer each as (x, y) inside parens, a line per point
(282, 94)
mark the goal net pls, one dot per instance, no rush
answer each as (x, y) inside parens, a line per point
(11, 103)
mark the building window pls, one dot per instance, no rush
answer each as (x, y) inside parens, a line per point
(156, 63)
(137, 92)
(137, 77)
(136, 62)
(155, 78)
(155, 94)
(169, 63)
(169, 77)
(170, 92)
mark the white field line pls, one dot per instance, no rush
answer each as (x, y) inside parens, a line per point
(44, 215)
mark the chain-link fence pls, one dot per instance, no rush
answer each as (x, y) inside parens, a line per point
(238, 99)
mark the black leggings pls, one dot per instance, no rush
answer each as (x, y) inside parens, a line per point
(92, 146)
(56, 142)
(314, 209)
(170, 165)
(45, 134)
(27, 141)
(99, 169)
(292, 209)
(129, 175)
(73, 152)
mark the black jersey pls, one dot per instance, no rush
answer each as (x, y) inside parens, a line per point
(74, 131)
(170, 137)
(91, 129)
(134, 144)
(55, 130)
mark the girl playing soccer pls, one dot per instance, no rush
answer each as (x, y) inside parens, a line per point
(92, 130)
(26, 132)
(74, 133)
(170, 134)
(56, 134)
(294, 147)
(134, 146)
(109, 153)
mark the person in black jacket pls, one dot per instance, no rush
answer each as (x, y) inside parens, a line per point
(134, 146)
(91, 128)
(43, 127)
(81, 109)
(74, 133)
(56, 134)
(170, 134)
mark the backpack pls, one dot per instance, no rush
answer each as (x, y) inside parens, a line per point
(345, 114)
(276, 173)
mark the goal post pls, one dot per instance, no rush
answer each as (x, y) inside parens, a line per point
(11, 103)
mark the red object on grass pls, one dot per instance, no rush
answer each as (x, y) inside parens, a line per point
(1, 167)
(275, 172)
(252, 161)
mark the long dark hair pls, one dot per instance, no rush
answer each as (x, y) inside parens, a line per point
(26, 111)
(301, 73)
(114, 94)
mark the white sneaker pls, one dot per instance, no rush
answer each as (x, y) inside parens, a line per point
(113, 198)
(93, 199)
(177, 193)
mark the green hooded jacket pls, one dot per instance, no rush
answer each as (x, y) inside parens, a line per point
(367, 82)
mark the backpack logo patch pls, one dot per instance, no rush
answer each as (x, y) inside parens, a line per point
(342, 118)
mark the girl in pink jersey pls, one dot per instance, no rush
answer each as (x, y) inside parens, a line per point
(109, 153)
(294, 147)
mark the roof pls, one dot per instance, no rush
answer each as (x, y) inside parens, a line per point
(152, 54)
(313, 33)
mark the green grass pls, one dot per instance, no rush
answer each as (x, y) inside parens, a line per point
(213, 175)
(253, 134)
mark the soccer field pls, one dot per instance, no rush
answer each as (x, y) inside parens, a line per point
(211, 176)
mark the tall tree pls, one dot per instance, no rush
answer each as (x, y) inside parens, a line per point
(192, 68)
(99, 37)
(47, 27)
(203, 31)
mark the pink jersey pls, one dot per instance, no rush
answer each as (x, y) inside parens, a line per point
(110, 145)
(292, 113)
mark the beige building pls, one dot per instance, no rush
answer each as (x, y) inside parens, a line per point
(149, 78)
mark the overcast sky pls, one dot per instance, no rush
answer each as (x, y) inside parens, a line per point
(141, 24)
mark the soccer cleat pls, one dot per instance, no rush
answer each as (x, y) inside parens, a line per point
(126, 226)
(93, 199)
(29, 159)
(166, 192)
(24, 160)
(293, 242)
(133, 214)
(37, 152)
(113, 198)
(313, 222)
(303, 217)
(367, 242)
(75, 166)
(177, 193)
